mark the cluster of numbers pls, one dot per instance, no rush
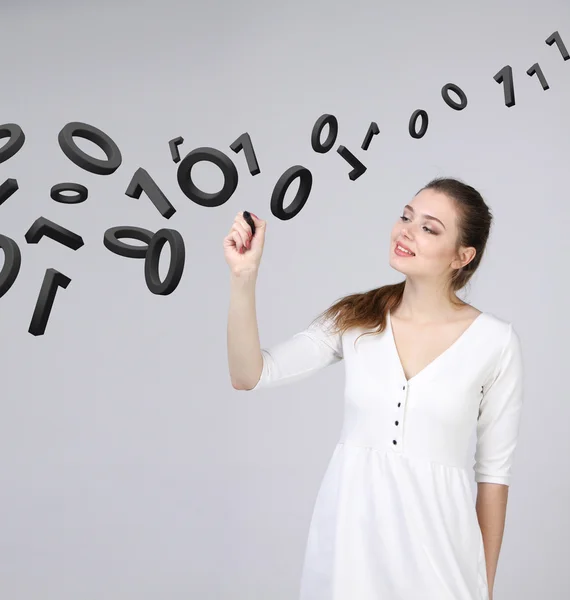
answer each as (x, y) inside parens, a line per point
(143, 182)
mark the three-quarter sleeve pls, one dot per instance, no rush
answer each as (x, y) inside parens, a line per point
(500, 414)
(301, 355)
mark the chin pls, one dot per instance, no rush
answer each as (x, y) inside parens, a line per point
(395, 263)
(399, 264)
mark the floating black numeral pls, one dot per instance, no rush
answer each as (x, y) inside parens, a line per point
(505, 76)
(316, 144)
(174, 152)
(84, 160)
(226, 166)
(358, 167)
(555, 38)
(324, 147)
(52, 280)
(7, 189)
(113, 235)
(143, 182)
(17, 139)
(12, 262)
(301, 197)
(81, 193)
(177, 258)
(44, 227)
(449, 101)
(244, 143)
(535, 69)
(372, 131)
(412, 124)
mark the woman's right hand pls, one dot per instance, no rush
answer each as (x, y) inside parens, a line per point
(243, 251)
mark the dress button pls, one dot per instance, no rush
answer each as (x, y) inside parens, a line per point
(394, 442)
(397, 422)
(404, 387)
(399, 403)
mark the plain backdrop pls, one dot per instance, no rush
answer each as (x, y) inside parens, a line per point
(129, 466)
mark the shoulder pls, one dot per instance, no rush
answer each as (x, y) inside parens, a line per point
(496, 327)
(503, 350)
(500, 337)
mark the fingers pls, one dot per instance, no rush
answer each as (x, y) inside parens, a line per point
(239, 236)
(241, 233)
(237, 239)
(244, 229)
(240, 219)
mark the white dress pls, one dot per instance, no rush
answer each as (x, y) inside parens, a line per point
(394, 518)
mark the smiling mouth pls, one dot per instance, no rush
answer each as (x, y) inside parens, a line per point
(401, 251)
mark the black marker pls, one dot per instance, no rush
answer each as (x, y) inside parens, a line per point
(249, 221)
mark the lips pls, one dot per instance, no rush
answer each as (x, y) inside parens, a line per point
(405, 248)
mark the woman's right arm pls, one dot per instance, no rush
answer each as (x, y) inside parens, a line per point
(297, 357)
(243, 251)
(286, 361)
(244, 352)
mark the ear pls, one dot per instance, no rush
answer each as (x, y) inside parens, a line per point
(465, 256)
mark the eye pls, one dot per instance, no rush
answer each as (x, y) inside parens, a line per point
(431, 231)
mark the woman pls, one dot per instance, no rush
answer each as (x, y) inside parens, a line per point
(394, 518)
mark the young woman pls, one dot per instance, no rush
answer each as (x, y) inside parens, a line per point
(394, 518)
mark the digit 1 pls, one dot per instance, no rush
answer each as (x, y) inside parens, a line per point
(244, 143)
(143, 182)
(7, 189)
(505, 75)
(52, 280)
(555, 37)
(535, 69)
(372, 130)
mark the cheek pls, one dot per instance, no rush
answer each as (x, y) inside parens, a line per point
(436, 249)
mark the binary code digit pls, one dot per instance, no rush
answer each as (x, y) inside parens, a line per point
(17, 139)
(12, 263)
(112, 240)
(372, 131)
(555, 38)
(81, 193)
(52, 281)
(413, 121)
(281, 187)
(84, 160)
(176, 267)
(505, 75)
(222, 161)
(451, 87)
(244, 143)
(143, 182)
(7, 189)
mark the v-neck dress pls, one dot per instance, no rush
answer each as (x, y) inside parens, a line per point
(394, 518)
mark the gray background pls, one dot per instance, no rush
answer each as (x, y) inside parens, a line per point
(129, 467)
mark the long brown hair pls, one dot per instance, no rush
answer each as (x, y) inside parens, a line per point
(368, 309)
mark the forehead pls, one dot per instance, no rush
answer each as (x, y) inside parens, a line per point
(436, 204)
(434, 200)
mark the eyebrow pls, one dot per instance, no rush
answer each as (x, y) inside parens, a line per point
(426, 216)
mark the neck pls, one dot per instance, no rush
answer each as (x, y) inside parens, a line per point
(424, 303)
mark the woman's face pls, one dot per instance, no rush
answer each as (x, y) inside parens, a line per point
(428, 228)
